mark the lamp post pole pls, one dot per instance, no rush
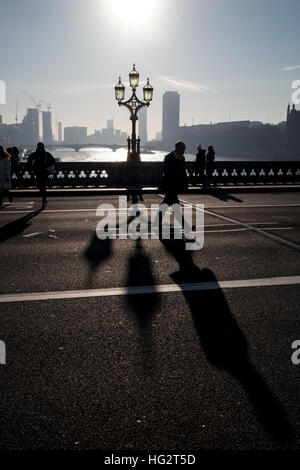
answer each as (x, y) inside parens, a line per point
(134, 104)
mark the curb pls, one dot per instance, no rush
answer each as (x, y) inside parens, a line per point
(67, 192)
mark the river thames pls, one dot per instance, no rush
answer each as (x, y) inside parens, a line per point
(120, 155)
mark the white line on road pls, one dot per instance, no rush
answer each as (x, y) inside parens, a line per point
(244, 224)
(28, 235)
(240, 206)
(112, 230)
(154, 289)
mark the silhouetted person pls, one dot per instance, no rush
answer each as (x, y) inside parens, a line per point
(40, 161)
(15, 160)
(210, 159)
(5, 176)
(199, 165)
(174, 182)
(175, 178)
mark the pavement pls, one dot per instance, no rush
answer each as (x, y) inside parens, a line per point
(141, 344)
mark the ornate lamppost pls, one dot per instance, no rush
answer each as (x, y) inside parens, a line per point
(134, 104)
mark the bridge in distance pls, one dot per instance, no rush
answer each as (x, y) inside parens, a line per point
(78, 147)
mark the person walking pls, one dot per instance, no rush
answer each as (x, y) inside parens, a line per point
(210, 159)
(174, 181)
(199, 165)
(5, 176)
(42, 164)
(174, 174)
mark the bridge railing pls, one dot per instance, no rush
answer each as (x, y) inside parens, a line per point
(113, 174)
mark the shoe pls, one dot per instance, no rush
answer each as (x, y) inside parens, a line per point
(44, 204)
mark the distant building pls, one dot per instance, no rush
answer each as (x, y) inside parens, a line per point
(158, 135)
(108, 136)
(293, 132)
(47, 127)
(30, 128)
(59, 132)
(142, 115)
(170, 117)
(237, 139)
(75, 135)
(110, 124)
(10, 134)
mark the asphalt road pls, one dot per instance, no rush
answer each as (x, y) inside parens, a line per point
(184, 367)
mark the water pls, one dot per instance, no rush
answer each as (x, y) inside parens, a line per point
(107, 155)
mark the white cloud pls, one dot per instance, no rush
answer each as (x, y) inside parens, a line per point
(290, 68)
(184, 84)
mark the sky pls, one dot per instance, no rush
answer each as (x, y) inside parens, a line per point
(228, 59)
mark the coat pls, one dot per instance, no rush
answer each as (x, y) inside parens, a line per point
(5, 177)
(39, 161)
(174, 177)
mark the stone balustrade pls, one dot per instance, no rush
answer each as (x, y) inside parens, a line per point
(112, 174)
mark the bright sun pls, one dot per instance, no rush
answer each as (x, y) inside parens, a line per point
(134, 14)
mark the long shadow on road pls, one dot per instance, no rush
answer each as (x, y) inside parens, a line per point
(140, 273)
(12, 229)
(224, 343)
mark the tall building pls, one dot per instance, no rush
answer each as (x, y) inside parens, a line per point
(170, 117)
(293, 131)
(59, 132)
(110, 124)
(30, 128)
(47, 128)
(142, 115)
(75, 135)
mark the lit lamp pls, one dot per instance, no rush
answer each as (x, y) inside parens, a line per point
(134, 78)
(148, 91)
(120, 90)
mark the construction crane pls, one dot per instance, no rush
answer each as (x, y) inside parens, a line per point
(47, 105)
(37, 104)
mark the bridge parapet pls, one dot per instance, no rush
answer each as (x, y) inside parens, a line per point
(112, 174)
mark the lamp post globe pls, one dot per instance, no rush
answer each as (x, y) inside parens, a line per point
(134, 78)
(148, 91)
(120, 90)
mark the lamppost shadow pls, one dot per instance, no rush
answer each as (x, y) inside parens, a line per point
(224, 343)
(140, 273)
(12, 229)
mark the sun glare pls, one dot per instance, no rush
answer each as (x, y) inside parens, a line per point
(134, 14)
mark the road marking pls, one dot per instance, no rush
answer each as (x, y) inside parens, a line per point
(241, 206)
(255, 229)
(28, 235)
(114, 231)
(154, 289)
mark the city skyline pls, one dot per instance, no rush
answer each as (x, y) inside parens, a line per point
(68, 69)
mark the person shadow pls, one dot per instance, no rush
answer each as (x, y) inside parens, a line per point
(12, 229)
(223, 196)
(223, 342)
(140, 273)
(96, 253)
